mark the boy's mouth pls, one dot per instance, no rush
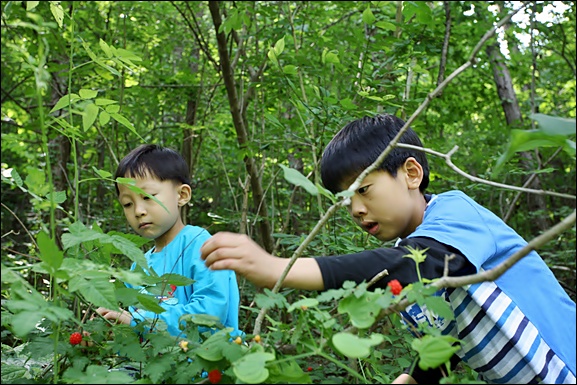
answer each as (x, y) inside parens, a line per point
(370, 227)
(144, 224)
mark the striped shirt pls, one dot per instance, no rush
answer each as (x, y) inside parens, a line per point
(517, 329)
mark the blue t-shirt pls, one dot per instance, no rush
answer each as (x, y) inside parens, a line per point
(519, 328)
(213, 292)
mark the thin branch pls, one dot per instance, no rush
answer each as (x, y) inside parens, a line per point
(21, 224)
(448, 160)
(445, 49)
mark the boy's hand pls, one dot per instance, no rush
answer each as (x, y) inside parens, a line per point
(230, 251)
(121, 317)
(238, 252)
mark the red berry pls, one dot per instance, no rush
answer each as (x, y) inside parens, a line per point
(214, 376)
(395, 286)
(75, 338)
(310, 369)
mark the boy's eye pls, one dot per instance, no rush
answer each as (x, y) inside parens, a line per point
(126, 205)
(363, 190)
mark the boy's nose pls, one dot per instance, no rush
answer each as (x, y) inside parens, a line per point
(139, 210)
(358, 209)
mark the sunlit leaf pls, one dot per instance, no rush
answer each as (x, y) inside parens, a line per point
(295, 177)
(353, 346)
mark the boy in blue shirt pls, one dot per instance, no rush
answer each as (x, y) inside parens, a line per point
(163, 173)
(511, 331)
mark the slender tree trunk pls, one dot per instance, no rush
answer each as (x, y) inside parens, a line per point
(514, 118)
(239, 121)
(191, 141)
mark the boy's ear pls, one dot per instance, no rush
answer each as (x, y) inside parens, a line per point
(414, 172)
(184, 194)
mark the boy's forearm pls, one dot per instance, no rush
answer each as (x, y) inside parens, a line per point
(305, 274)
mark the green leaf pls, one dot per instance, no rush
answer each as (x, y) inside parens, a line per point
(279, 47)
(112, 109)
(105, 48)
(97, 290)
(526, 140)
(306, 302)
(176, 279)
(57, 12)
(288, 372)
(440, 307)
(104, 102)
(102, 173)
(30, 5)
(17, 179)
(362, 310)
(368, 16)
(24, 322)
(330, 57)
(126, 343)
(386, 25)
(212, 348)
(59, 196)
(65, 102)
(89, 116)
(290, 69)
(434, 351)
(128, 248)
(122, 120)
(269, 299)
(150, 303)
(79, 234)
(295, 177)
(347, 104)
(272, 56)
(103, 118)
(353, 346)
(251, 369)
(87, 94)
(49, 251)
(554, 125)
(95, 374)
(207, 320)
(157, 366)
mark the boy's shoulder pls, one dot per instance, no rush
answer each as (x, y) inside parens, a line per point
(456, 199)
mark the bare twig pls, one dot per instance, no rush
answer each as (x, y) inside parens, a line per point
(21, 224)
(449, 162)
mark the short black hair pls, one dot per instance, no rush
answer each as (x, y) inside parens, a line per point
(357, 145)
(156, 161)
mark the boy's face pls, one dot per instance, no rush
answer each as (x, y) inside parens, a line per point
(389, 207)
(148, 218)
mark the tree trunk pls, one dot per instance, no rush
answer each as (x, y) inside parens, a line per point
(239, 121)
(514, 119)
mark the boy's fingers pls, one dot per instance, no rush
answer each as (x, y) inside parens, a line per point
(218, 241)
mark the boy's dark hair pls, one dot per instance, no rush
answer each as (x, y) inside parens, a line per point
(357, 145)
(155, 161)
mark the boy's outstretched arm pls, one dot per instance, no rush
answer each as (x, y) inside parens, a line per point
(240, 253)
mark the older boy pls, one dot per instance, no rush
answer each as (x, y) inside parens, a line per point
(163, 174)
(510, 331)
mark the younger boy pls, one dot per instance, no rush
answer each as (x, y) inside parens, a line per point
(510, 331)
(163, 173)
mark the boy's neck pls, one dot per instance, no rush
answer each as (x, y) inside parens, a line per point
(163, 241)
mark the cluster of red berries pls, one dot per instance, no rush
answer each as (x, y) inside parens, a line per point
(395, 286)
(75, 338)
